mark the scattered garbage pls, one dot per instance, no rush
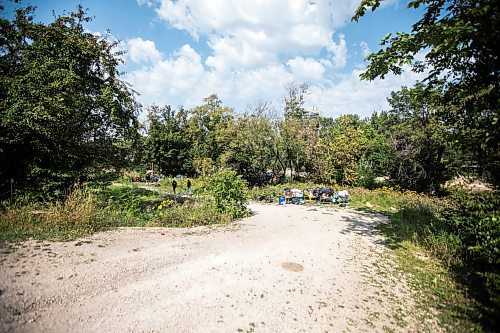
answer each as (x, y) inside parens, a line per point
(319, 195)
(293, 196)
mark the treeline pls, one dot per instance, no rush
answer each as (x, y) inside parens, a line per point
(408, 145)
(67, 118)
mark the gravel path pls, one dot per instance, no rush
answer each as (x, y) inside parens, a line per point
(285, 269)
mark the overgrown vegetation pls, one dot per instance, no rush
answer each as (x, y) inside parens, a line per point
(229, 193)
(86, 211)
(463, 231)
(66, 119)
(77, 215)
(65, 115)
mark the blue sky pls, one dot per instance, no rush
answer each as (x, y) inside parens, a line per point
(179, 52)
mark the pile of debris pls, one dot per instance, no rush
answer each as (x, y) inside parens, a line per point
(319, 195)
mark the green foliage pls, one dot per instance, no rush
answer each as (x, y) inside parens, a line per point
(348, 152)
(291, 154)
(251, 150)
(272, 192)
(79, 214)
(451, 33)
(132, 205)
(229, 193)
(476, 219)
(418, 140)
(190, 214)
(462, 230)
(86, 211)
(167, 144)
(294, 101)
(64, 112)
(207, 128)
(267, 192)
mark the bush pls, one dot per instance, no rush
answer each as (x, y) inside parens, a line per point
(131, 205)
(475, 219)
(229, 193)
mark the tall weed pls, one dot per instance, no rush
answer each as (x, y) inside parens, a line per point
(190, 214)
(77, 215)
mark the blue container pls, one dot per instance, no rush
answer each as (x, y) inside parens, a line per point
(281, 200)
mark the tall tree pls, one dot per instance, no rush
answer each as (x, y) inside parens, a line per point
(207, 128)
(63, 108)
(419, 140)
(293, 130)
(346, 142)
(458, 39)
(251, 150)
(295, 100)
(167, 144)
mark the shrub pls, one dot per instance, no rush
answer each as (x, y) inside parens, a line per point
(475, 218)
(229, 193)
(133, 204)
(463, 230)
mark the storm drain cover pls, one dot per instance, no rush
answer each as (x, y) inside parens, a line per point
(292, 266)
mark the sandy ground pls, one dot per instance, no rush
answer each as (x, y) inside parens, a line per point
(285, 269)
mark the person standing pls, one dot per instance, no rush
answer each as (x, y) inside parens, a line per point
(188, 186)
(174, 185)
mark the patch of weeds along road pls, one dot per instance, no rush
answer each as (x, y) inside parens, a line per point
(88, 210)
(412, 233)
(435, 291)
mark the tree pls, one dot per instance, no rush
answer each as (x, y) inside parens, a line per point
(346, 142)
(419, 141)
(458, 39)
(294, 100)
(63, 109)
(376, 159)
(207, 128)
(167, 144)
(251, 150)
(293, 131)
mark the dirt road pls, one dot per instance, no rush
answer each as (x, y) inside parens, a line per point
(285, 269)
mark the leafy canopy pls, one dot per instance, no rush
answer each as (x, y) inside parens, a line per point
(454, 43)
(64, 111)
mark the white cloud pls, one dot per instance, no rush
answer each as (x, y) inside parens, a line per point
(352, 96)
(140, 51)
(339, 52)
(251, 34)
(365, 50)
(230, 54)
(149, 3)
(255, 49)
(182, 80)
(168, 79)
(306, 70)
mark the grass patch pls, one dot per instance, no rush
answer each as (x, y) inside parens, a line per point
(439, 250)
(78, 215)
(86, 211)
